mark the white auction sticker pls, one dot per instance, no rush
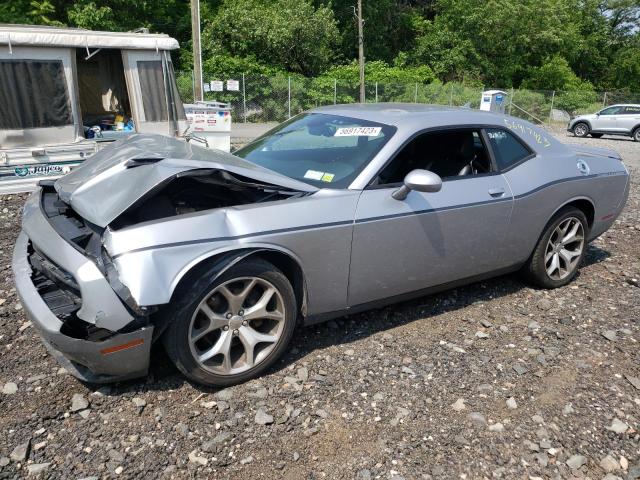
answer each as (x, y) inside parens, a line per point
(313, 175)
(358, 132)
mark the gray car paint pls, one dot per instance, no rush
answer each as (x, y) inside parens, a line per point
(165, 250)
(100, 304)
(81, 358)
(356, 245)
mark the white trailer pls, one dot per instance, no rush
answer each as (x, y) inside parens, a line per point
(65, 92)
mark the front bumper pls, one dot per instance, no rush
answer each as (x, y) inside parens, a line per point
(121, 356)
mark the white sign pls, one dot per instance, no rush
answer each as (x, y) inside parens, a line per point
(358, 132)
(216, 85)
(233, 85)
(205, 87)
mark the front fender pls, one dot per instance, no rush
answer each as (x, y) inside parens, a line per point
(580, 120)
(152, 276)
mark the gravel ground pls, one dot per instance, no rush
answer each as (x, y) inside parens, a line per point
(494, 380)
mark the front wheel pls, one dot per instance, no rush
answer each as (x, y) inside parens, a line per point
(229, 330)
(581, 129)
(560, 250)
(636, 134)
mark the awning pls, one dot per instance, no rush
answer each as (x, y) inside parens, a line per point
(38, 36)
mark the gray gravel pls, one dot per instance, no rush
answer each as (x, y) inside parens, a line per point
(493, 380)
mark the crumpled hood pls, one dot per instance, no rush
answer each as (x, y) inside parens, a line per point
(108, 183)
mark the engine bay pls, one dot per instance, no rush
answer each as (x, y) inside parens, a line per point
(199, 190)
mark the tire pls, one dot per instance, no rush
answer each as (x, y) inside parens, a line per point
(200, 324)
(536, 270)
(596, 135)
(581, 129)
(636, 134)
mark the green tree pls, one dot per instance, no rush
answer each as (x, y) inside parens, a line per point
(555, 74)
(388, 26)
(92, 17)
(287, 34)
(36, 12)
(496, 39)
(625, 70)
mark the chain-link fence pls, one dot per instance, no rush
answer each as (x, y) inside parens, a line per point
(263, 99)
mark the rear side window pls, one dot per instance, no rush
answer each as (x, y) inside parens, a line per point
(33, 94)
(507, 149)
(632, 110)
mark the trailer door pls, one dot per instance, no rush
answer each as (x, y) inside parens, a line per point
(155, 103)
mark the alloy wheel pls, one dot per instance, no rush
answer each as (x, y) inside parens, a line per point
(564, 249)
(580, 130)
(237, 325)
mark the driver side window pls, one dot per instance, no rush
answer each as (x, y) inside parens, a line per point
(450, 154)
(611, 111)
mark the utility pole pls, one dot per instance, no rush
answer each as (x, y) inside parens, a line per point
(197, 51)
(361, 50)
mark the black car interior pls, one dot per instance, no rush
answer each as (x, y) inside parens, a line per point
(448, 154)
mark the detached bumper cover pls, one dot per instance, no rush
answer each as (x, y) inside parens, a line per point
(120, 357)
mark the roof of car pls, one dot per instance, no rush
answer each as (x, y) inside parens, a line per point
(410, 115)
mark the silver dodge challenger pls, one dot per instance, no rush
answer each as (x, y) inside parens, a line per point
(340, 209)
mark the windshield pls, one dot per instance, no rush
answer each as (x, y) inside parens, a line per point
(327, 151)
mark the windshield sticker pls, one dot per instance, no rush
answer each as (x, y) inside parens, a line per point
(538, 137)
(313, 175)
(320, 176)
(358, 132)
(327, 177)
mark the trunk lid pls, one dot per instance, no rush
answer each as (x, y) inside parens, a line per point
(594, 151)
(112, 180)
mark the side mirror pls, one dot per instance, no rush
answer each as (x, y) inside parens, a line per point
(420, 181)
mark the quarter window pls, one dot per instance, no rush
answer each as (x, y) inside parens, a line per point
(632, 110)
(507, 149)
(33, 94)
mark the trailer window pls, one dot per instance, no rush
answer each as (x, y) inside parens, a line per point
(33, 94)
(154, 98)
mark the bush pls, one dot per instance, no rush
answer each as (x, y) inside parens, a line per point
(530, 105)
(576, 101)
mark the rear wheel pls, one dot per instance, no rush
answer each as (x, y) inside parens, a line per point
(596, 135)
(581, 129)
(636, 134)
(232, 329)
(560, 250)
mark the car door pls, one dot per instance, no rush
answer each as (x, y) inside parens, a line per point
(607, 120)
(427, 239)
(629, 118)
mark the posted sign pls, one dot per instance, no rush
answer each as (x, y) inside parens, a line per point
(233, 85)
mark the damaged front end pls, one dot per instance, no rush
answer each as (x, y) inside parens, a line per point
(68, 283)
(64, 290)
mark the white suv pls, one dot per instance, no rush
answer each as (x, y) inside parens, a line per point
(613, 120)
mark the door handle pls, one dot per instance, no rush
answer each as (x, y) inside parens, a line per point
(496, 192)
